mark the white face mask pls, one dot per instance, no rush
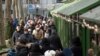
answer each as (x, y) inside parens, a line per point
(25, 32)
(46, 35)
(29, 30)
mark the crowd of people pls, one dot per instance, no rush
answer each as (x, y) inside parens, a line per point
(38, 37)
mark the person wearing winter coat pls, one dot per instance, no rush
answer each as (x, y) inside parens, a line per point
(21, 48)
(38, 32)
(35, 50)
(27, 37)
(76, 47)
(16, 34)
(55, 41)
(21, 23)
(45, 45)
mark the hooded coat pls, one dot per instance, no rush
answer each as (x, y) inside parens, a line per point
(76, 47)
(55, 42)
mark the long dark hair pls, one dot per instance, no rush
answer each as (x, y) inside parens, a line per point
(76, 41)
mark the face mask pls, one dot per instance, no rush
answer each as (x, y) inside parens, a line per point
(25, 32)
(29, 30)
(46, 35)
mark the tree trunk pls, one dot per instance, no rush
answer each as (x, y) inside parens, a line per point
(2, 42)
(14, 12)
(8, 9)
(8, 22)
(20, 8)
(24, 9)
(16, 9)
(8, 19)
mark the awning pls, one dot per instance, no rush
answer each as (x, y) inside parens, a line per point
(57, 5)
(92, 15)
(59, 8)
(79, 6)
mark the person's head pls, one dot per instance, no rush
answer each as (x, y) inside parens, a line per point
(26, 31)
(18, 28)
(32, 22)
(53, 53)
(43, 22)
(90, 52)
(39, 21)
(76, 41)
(29, 30)
(21, 23)
(50, 53)
(37, 27)
(50, 21)
(35, 47)
(45, 27)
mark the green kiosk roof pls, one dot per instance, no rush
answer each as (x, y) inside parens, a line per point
(59, 8)
(79, 6)
(92, 15)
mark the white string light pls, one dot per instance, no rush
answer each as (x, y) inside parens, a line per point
(95, 27)
(83, 25)
(69, 19)
(84, 22)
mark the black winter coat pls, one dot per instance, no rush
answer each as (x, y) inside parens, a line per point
(55, 42)
(28, 38)
(15, 36)
(77, 51)
(22, 51)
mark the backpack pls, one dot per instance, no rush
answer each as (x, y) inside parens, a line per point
(11, 52)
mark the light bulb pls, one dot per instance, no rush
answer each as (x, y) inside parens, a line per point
(92, 27)
(83, 25)
(87, 25)
(69, 19)
(95, 26)
(96, 29)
